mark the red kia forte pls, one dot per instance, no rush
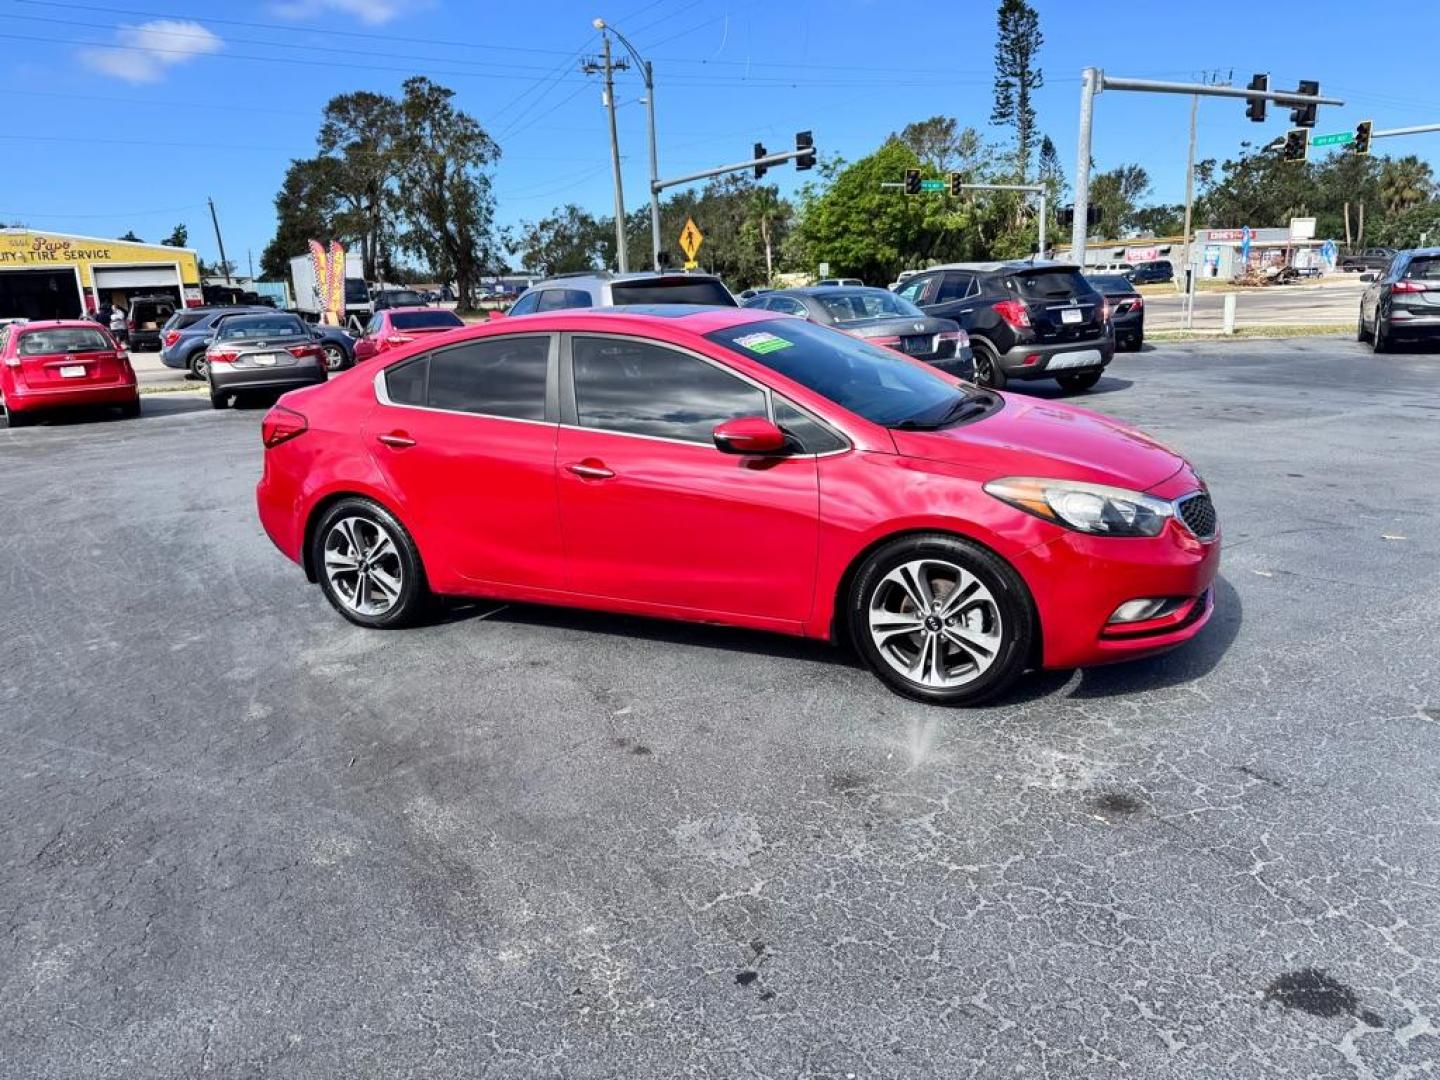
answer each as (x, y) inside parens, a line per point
(393, 327)
(728, 466)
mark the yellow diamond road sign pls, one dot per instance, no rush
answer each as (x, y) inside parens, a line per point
(690, 240)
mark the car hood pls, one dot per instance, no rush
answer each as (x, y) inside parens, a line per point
(1046, 438)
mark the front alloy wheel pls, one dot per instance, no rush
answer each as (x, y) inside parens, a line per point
(987, 369)
(334, 357)
(941, 619)
(368, 566)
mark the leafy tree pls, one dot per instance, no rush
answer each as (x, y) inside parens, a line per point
(1118, 193)
(1416, 227)
(765, 214)
(943, 146)
(131, 237)
(442, 192)
(1018, 40)
(1405, 183)
(569, 240)
(179, 237)
(1050, 172)
(306, 209)
(1159, 219)
(217, 269)
(361, 130)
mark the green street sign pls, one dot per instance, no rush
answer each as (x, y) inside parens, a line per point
(1340, 138)
(932, 185)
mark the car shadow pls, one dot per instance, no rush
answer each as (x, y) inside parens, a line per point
(1053, 391)
(151, 405)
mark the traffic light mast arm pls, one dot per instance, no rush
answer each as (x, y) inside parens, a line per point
(769, 159)
(1153, 86)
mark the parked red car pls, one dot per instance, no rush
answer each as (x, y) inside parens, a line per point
(60, 363)
(394, 327)
(728, 466)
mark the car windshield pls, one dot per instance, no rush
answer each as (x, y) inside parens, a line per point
(1110, 284)
(241, 327)
(858, 305)
(63, 339)
(425, 320)
(404, 298)
(674, 290)
(869, 381)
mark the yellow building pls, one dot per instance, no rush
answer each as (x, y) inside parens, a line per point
(57, 276)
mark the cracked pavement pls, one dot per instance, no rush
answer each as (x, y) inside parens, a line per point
(243, 838)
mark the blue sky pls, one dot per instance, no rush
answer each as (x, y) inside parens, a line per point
(127, 114)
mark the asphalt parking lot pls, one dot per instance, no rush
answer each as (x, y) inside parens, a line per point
(244, 838)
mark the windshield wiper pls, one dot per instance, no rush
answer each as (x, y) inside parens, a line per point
(967, 408)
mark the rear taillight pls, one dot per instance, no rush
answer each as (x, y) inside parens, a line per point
(302, 351)
(281, 425)
(959, 337)
(221, 356)
(888, 342)
(1136, 303)
(1408, 286)
(171, 336)
(1013, 312)
(131, 324)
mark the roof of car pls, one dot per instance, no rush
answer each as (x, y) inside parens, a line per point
(416, 307)
(631, 275)
(1009, 264)
(699, 318)
(827, 290)
(51, 324)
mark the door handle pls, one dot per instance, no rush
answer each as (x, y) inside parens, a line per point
(397, 439)
(589, 469)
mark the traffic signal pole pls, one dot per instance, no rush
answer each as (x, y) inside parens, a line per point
(658, 186)
(1094, 80)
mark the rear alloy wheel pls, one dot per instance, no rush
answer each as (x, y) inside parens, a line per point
(368, 566)
(199, 366)
(1379, 339)
(941, 620)
(1083, 380)
(334, 357)
(987, 369)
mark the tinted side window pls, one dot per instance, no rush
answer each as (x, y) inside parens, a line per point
(502, 376)
(955, 285)
(525, 305)
(914, 289)
(645, 389)
(814, 437)
(787, 306)
(556, 299)
(405, 383)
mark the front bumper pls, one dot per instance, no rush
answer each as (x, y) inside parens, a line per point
(1078, 580)
(1032, 361)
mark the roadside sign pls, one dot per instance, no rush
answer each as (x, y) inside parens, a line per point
(1302, 228)
(690, 240)
(824, 269)
(1339, 138)
(933, 185)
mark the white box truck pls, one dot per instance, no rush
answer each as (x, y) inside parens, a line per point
(357, 293)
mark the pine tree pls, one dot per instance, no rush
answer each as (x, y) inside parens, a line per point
(1018, 40)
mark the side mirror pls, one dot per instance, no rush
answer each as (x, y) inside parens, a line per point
(749, 435)
(493, 315)
(1370, 275)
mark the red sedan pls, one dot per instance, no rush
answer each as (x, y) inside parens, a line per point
(393, 327)
(60, 363)
(723, 465)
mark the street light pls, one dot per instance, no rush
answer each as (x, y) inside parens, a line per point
(604, 27)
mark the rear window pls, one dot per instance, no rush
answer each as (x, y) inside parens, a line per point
(1110, 284)
(424, 320)
(182, 320)
(845, 306)
(356, 291)
(1424, 269)
(672, 291)
(1050, 284)
(404, 298)
(64, 339)
(239, 327)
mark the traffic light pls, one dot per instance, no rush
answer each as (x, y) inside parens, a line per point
(1297, 144)
(1255, 106)
(1304, 115)
(957, 184)
(805, 146)
(760, 152)
(1065, 216)
(912, 181)
(1361, 145)
(1094, 215)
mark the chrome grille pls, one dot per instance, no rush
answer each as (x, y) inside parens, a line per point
(1198, 513)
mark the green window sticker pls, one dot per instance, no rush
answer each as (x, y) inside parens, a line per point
(763, 343)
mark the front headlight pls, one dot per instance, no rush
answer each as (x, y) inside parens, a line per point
(1090, 508)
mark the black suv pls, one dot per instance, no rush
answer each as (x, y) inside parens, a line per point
(1026, 320)
(1158, 272)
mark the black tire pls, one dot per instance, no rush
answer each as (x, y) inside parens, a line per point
(1135, 344)
(336, 359)
(219, 400)
(413, 597)
(18, 419)
(1380, 338)
(1012, 610)
(198, 365)
(987, 368)
(1361, 334)
(130, 410)
(1082, 380)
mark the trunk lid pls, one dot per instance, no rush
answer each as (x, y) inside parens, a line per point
(1062, 305)
(69, 356)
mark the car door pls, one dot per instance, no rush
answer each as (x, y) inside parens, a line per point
(954, 297)
(466, 436)
(653, 514)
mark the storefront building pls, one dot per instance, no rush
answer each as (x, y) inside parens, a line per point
(57, 276)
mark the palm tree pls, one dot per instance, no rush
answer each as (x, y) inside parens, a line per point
(1405, 183)
(764, 210)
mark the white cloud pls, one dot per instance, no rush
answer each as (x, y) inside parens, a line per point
(369, 12)
(144, 53)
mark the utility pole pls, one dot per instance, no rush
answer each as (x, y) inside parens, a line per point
(250, 262)
(1190, 178)
(224, 265)
(649, 71)
(622, 260)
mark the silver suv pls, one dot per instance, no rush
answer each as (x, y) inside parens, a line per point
(602, 288)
